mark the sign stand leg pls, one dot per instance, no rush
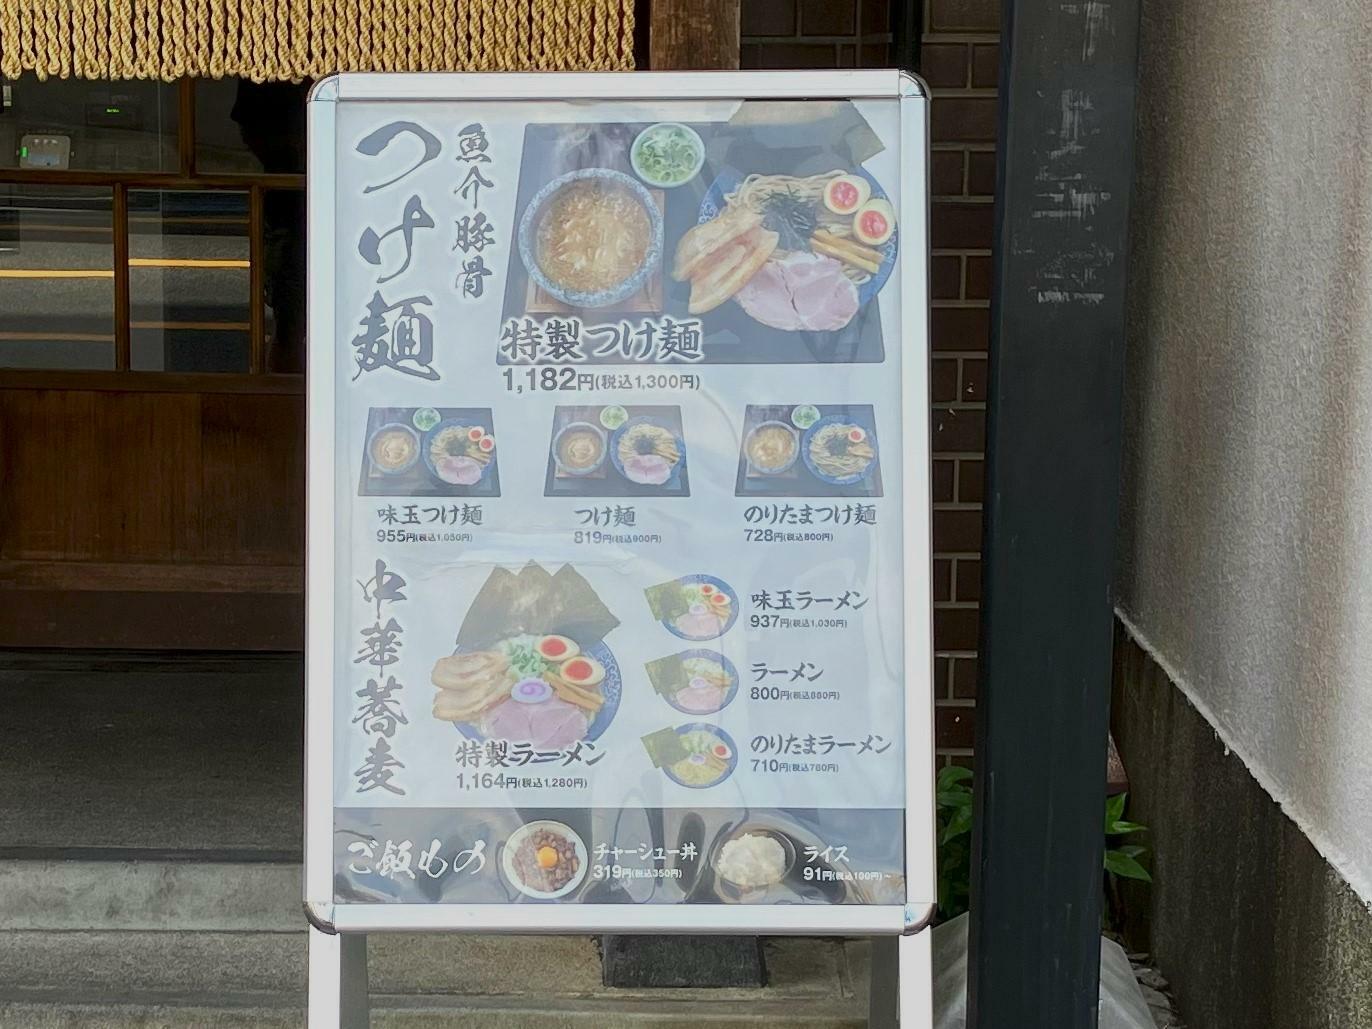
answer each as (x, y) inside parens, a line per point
(902, 992)
(916, 960)
(883, 1010)
(338, 981)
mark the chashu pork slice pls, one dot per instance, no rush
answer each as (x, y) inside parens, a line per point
(469, 683)
(730, 268)
(706, 238)
(801, 291)
(463, 706)
(767, 298)
(549, 725)
(824, 297)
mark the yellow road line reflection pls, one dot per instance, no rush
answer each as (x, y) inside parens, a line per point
(185, 262)
(108, 273)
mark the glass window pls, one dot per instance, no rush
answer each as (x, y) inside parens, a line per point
(250, 127)
(283, 266)
(56, 277)
(92, 126)
(189, 293)
(190, 299)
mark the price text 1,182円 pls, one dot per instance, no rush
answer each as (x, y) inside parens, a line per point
(550, 379)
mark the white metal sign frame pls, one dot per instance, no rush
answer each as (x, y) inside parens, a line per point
(328, 917)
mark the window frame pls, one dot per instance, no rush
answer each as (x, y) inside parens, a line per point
(186, 178)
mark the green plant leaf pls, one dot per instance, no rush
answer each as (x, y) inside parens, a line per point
(953, 833)
(952, 775)
(1114, 809)
(959, 825)
(1133, 851)
(1122, 828)
(1121, 864)
(954, 798)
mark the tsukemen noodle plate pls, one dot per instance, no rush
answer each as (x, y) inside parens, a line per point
(839, 419)
(728, 180)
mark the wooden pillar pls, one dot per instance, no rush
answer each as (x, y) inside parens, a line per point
(693, 35)
(1066, 169)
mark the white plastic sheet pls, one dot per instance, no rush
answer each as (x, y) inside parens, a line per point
(1121, 1000)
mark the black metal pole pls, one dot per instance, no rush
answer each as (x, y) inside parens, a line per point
(907, 22)
(1053, 449)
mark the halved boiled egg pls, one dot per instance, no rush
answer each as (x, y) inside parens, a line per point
(583, 670)
(557, 648)
(875, 222)
(844, 194)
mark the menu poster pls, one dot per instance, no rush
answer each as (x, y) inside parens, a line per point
(619, 605)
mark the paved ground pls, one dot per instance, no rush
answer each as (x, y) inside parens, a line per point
(1157, 992)
(204, 755)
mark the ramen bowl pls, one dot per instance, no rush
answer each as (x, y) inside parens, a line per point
(711, 757)
(591, 204)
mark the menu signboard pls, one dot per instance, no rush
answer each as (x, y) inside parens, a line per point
(618, 554)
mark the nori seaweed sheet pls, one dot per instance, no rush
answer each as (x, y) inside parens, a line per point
(535, 602)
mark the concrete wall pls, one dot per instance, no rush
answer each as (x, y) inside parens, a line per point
(1246, 557)
(1253, 929)
(1247, 533)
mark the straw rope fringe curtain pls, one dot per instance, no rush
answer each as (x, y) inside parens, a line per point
(296, 39)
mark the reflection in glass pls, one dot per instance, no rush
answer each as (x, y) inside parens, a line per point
(250, 127)
(283, 259)
(189, 280)
(90, 125)
(56, 277)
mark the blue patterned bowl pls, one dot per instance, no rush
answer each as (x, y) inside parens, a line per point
(528, 232)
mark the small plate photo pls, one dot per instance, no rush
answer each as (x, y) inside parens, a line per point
(545, 860)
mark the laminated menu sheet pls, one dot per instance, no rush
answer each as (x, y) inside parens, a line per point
(618, 556)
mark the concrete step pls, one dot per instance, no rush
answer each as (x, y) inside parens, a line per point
(171, 943)
(144, 893)
(169, 980)
(250, 1012)
(196, 963)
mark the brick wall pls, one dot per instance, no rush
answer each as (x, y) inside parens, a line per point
(959, 58)
(816, 33)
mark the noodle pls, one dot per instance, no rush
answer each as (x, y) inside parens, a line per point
(836, 455)
(753, 191)
(646, 438)
(711, 671)
(706, 765)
